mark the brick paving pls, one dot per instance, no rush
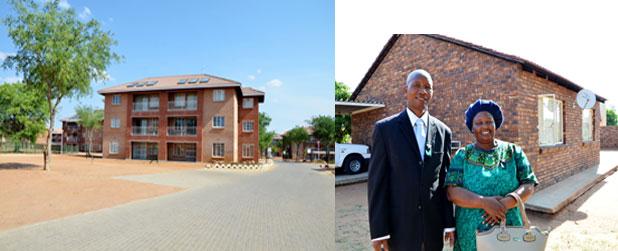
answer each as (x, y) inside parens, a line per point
(287, 208)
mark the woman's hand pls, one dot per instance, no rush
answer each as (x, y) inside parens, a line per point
(494, 210)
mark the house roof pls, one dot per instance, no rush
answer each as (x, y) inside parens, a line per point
(527, 65)
(250, 92)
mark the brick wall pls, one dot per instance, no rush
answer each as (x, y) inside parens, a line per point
(249, 138)
(609, 137)
(461, 76)
(115, 134)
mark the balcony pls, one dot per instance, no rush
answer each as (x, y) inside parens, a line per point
(182, 105)
(145, 106)
(72, 128)
(74, 139)
(145, 131)
(182, 131)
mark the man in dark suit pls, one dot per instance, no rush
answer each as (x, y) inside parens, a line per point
(408, 207)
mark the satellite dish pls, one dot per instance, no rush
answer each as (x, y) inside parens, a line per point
(586, 99)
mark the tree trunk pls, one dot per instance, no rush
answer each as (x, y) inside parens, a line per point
(90, 132)
(47, 153)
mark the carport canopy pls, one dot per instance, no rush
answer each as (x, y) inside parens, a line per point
(355, 107)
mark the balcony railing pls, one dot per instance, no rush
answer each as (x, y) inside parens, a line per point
(182, 131)
(145, 130)
(182, 105)
(72, 139)
(145, 106)
(70, 128)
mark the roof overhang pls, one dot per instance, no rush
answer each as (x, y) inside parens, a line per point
(351, 107)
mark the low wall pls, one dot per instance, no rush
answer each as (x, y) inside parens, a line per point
(609, 137)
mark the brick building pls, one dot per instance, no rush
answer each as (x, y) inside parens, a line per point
(540, 109)
(186, 118)
(74, 137)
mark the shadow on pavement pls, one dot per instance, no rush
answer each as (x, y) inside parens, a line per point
(14, 166)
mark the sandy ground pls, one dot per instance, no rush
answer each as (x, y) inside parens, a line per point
(589, 223)
(74, 185)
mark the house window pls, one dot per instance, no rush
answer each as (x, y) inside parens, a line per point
(115, 122)
(587, 125)
(247, 126)
(218, 122)
(218, 95)
(247, 103)
(218, 149)
(247, 151)
(113, 147)
(146, 102)
(550, 120)
(116, 100)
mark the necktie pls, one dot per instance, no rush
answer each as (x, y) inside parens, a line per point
(420, 137)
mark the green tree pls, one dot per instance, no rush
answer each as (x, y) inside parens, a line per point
(266, 138)
(57, 54)
(90, 120)
(297, 135)
(22, 113)
(343, 123)
(612, 118)
(324, 131)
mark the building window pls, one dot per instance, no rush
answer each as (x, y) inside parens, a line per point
(218, 95)
(116, 100)
(247, 151)
(218, 122)
(247, 103)
(218, 149)
(587, 125)
(183, 101)
(247, 126)
(146, 102)
(115, 122)
(550, 120)
(113, 147)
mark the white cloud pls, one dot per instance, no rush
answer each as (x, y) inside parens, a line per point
(259, 71)
(262, 88)
(86, 13)
(10, 80)
(108, 77)
(274, 83)
(4, 55)
(251, 77)
(64, 4)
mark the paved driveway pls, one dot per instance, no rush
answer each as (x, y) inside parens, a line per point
(287, 208)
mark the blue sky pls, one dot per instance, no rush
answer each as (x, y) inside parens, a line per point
(283, 47)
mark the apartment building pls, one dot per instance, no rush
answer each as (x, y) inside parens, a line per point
(196, 117)
(74, 137)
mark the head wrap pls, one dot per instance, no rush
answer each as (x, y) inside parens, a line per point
(484, 106)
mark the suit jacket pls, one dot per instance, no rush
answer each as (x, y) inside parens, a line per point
(407, 198)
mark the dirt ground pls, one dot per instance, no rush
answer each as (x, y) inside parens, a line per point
(589, 223)
(74, 185)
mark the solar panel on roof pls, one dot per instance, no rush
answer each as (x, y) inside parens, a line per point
(193, 81)
(132, 84)
(142, 84)
(182, 81)
(204, 80)
(152, 83)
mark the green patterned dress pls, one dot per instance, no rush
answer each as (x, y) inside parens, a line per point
(487, 173)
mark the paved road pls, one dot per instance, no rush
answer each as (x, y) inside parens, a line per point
(287, 208)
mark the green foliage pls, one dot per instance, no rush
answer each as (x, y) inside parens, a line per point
(612, 118)
(343, 123)
(297, 136)
(57, 54)
(90, 119)
(342, 91)
(22, 113)
(266, 138)
(324, 131)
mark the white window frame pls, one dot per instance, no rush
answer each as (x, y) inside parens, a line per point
(218, 150)
(248, 126)
(113, 145)
(116, 99)
(115, 122)
(587, 125)
(247, 103)
(217, 119)
(247, 150)
(218, 95)
(550, 134)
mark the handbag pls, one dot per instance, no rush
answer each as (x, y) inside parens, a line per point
(511, 238)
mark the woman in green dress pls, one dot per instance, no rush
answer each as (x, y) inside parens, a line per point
(483, 173)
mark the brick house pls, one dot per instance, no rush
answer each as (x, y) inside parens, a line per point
(196, 117)
(74, 137)
(541, 113)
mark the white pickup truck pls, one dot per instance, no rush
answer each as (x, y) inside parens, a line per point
(352, 157)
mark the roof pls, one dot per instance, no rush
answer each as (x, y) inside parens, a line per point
(74, 118)
(250, 92)
(527, 65)
(354, 107)
(57, 131)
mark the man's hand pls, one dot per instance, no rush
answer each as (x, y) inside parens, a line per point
(449, 237)
(377, 245)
